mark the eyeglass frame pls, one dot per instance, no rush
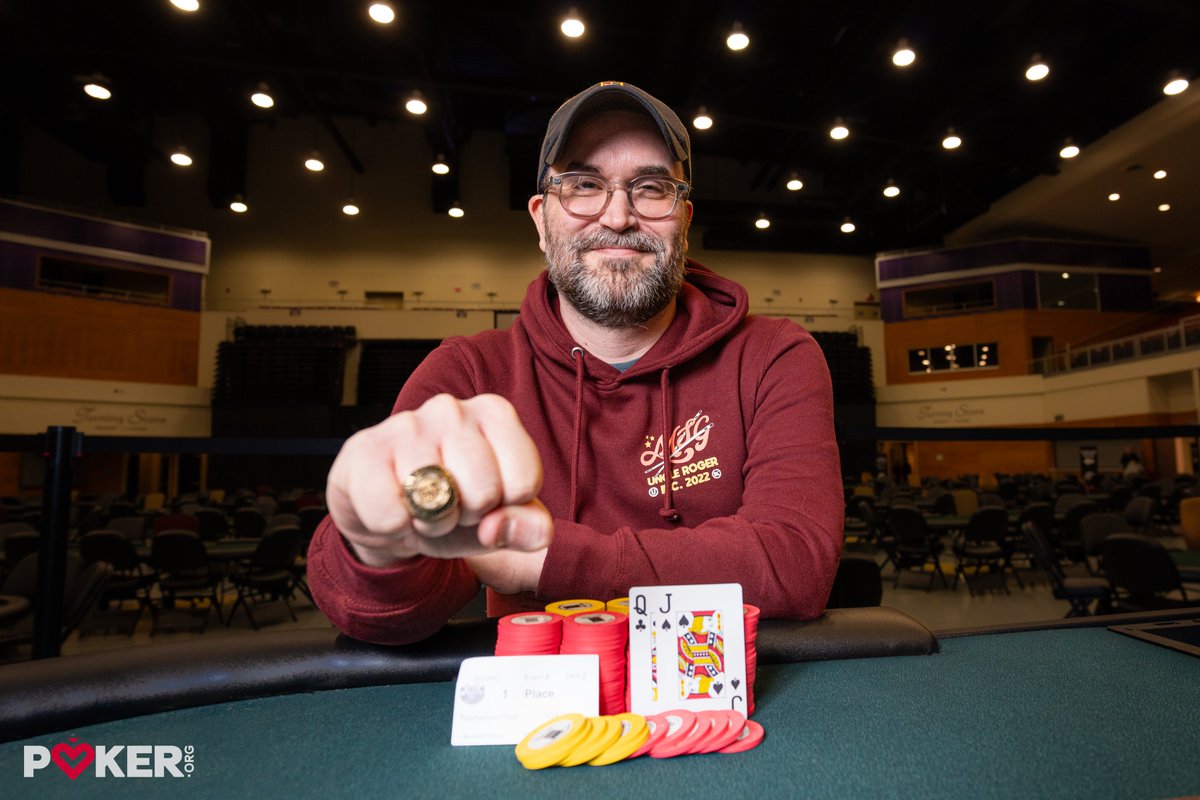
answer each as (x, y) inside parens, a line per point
(682, 189)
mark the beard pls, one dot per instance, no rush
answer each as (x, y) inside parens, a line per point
(616, 292)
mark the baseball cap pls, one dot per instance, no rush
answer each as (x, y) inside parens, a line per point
(610, 95)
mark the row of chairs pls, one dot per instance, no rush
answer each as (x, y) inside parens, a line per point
(82, 590)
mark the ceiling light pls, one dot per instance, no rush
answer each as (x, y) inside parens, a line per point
(1176, 84)
(1037, 69)
(1160, 174)
(1164, 206)
(383, 13)
(984, 348)
(702, 121)
(847, 226)
(952, 141)
(1114, 197)
(1069, 150)
(839, 130)
(925, 362)
(180, 157)
(97, 89)
(794, 183)
(904, 55)
(314, 163)
(351, 209)
(891, 189)
(262, 98)
(737, 39)
(440, 167)
(572, 27)
(762, 223)
(238, 205)
(1157, 270)
(1066, 275)
(416, 104)
(186, 5)
(455, 210)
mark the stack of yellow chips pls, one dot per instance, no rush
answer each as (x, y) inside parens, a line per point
(573, 739)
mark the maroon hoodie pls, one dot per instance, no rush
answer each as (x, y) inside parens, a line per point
(752, 493)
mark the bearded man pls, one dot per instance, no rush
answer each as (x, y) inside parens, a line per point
(635, 426)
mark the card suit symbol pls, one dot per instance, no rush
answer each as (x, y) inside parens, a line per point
(666, 625)
(717, 687)
(641, 626)
(83, 753)
(736, 682)
(682, 621)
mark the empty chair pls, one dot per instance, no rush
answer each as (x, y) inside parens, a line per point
(1094, 529)
(1065, 502)
(1189, 521)
(915, 547)
(983, 546)
(1081, 593)
(134, 527)
(153, 502)
(1140, 513)
(310, 518)
(211, 523)
(176, 522)
(184, 573)
(990, 499)
(1142, 574)
(130, 579)
(267, 575)
(267, 504)
(81, 592)
(858, 583)
(1118, 498)
(248, 522)
(281, 520)
(943, 504)
(9, 528)
(20, 544)
(966, 502)
(1068, 538)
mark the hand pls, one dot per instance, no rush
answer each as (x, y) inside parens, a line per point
(481, 442)
(509, 571)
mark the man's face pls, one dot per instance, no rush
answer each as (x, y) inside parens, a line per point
(617, 270)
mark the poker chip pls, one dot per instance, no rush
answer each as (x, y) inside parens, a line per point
(750, 617)
(620, 605)
(726, 732)
(682, 733)
(549, 743)
(529, 634)
(569, 608)
(634, 733)
(605, 731)
(750, 737)
(657, 728)
(606, 634)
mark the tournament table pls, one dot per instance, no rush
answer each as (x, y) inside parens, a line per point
(859, 703)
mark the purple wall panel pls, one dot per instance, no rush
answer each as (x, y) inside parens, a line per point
(1015, 252)
(18, 266)
(186, 291)
(891, 304)
(48, 224)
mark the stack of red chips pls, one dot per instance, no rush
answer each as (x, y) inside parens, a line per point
(529, 633)
(604, 633)
(750, 615)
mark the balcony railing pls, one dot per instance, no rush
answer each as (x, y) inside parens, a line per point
(1183, 335)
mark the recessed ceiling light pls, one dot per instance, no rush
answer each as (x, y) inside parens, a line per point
(952, 141)
(1160, 174)
(1176, 85)
(456, 210)
(351, 209)
(1164, 206)
(1157, 270)
(238, 205)
(314, 163)
(1066, 275)
(1069, 150)
(794, 183)
(416, 104)
(186, 5)
(762, 223)
(97, 90)
(702, 121)
(737, 39)
(904, 55)
(847, 226)
(1114, 197)
(383, 13)
(572, 27)
(262, 98)
(891, 189)
(839, 130)
(1037, 69)
(180, 158)
(440, 167)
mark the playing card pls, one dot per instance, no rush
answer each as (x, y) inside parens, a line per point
(686, 648)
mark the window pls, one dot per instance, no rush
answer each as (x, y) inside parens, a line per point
(1068, 290)
(103, 280)
(928, 301)
(953, 357)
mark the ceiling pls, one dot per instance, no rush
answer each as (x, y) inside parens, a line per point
(488, 66)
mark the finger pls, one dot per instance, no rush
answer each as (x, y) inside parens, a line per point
(520, 466)
(524, 527)
(468, 456)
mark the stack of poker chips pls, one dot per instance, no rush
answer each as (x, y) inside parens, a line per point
(569, 608)
(605, 633)
(573, 739)
(750, 615)
(529, 634)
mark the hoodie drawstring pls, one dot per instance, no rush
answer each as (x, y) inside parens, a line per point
(668, 511)
(577, 357)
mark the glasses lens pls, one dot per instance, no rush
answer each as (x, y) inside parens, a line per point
(653, 198)
(584, 195)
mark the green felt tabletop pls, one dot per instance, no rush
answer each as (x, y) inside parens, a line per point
(1080, 713)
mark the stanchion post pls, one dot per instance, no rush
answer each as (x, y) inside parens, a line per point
(61, 446)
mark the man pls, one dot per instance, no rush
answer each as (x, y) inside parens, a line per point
(633, 427)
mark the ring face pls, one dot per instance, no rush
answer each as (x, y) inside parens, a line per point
(430, 493)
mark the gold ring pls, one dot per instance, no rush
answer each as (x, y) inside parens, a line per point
(430, 493)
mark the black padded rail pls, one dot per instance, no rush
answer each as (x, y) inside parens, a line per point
(61, 694)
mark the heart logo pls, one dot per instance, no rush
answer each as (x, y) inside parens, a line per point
(83, 754)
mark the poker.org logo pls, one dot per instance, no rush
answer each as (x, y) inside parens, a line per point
(111, 761)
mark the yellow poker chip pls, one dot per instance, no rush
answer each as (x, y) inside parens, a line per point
(569, 608)
(550, 743)
(634, 733)
(620, 605)
(605, 731)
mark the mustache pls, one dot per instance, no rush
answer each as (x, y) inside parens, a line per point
(631, 240)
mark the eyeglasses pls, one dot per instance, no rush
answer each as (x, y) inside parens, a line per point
(585, 195)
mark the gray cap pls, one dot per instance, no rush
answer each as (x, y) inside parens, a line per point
(609, 95)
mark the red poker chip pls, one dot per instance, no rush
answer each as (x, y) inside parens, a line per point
(683, 731)
(658, 729)
(750, 737)
(727, 731)
(712, 724)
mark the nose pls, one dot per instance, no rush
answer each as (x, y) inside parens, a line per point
(619, 215)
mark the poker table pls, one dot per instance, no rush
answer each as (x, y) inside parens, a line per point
(860, 703)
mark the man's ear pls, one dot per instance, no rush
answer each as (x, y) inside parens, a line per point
(536, 209)
(690, 208)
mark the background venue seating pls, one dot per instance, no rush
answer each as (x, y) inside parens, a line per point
(1081, 593)
(1142, 574)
